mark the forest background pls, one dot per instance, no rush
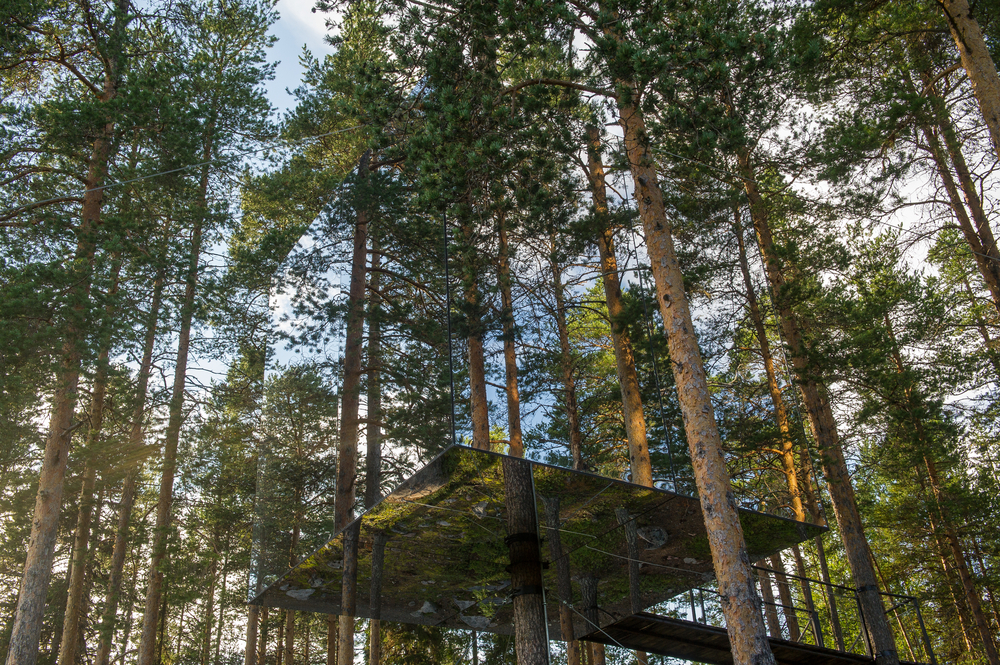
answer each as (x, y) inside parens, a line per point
(202, 296)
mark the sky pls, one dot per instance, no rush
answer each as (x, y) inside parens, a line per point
(297, 26)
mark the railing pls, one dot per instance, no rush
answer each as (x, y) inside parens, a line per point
(808, 611)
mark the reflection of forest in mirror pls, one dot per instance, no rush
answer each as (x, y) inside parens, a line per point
(445, 560)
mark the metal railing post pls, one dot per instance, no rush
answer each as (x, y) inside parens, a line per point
(923, 632)
(817, 628)
(864, 629)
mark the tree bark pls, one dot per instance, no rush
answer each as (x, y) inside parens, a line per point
(347, 470)
(564, 586)
(531, 640)
(478, 403)
(81, 540)
(108, 621)
(514, 436)
(332, 634)
(373, 459)
(566, 365)
(740, 603)
(147, 643)
(206, 645)
(25, 636)
(977, 62)
(820, 415)
(628, 378)
(375, 596)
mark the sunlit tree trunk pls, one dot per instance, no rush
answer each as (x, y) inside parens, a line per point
(628, 378)
(566, 364)
(978, 63)
(516, 442)
(742, 607)
(820, 415)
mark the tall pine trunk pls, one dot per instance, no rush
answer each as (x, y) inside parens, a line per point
(373, 460)
(127, 501)
(514, 436)
(566, 364)
(820, 415)
(25, 636)
(154, 591)
(628, 378)
(978, 63)
(349, 420)
(742, 605)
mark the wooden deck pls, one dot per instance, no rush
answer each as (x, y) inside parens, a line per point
(706, 644)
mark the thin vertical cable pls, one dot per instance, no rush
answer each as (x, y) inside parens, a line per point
(451, 355)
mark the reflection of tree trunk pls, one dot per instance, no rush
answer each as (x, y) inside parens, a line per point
(509, 347)
(563, 584)
(566, 364)
(588, 593)
(530, 632)
(978, 63)
(785, 594)
(375, 596)
(820, 414)
(747, 633)
(628, 379)
(770, 611)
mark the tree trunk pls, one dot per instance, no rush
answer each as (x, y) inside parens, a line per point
(628, 379)
(516, 441)
(147, 643)
(375, 596)
(81, 539)
(564, 585)
(785, 594)
(525, 568)
(24, 640)
(957, 553)
(820, 415)
(222, 613)
(977, 62)
(348, 447)
(332, 633)
(373, 459)
(478, 403)
(770, 610)
(279, 648)
(740, 603)
(262, 646)
(107, 629)
(206, 645)
(786, 444)
(566, 364)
